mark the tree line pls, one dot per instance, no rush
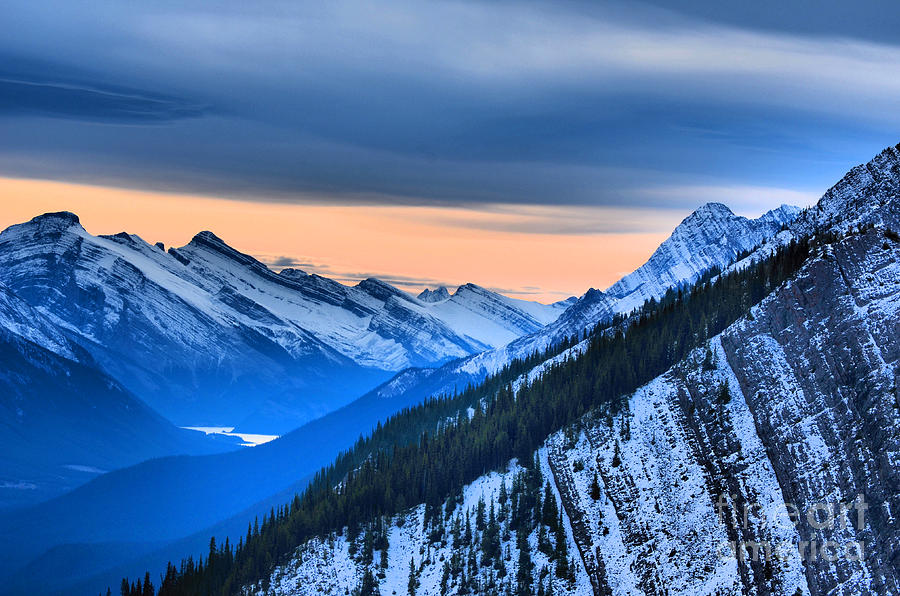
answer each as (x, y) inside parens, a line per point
(426, 454)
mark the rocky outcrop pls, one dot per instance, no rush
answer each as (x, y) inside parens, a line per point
(793, 410)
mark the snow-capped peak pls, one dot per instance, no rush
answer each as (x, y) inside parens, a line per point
(209, 241)
(439, 294)
(711, 236)
(48, 223)
(381, 290)
(57, 218)
(782, 215)
(293, 273)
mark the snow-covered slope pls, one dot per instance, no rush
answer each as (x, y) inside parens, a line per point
(19, 319)
(711, 236)
(208, 335)
(336, 564)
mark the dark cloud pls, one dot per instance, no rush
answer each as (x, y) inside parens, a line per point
(871, 20)
(457, 103)
(281, 262)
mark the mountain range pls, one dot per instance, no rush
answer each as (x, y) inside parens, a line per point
(208, 336)
(197, 329)
(761, 461)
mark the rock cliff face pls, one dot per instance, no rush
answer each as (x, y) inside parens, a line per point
(817, 367)
(796, 408)
(766, 462)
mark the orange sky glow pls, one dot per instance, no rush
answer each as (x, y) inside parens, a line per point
(500, 247)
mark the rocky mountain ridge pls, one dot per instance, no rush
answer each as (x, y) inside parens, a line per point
(210, 336)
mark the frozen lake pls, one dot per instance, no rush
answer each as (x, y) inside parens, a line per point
(249, 439)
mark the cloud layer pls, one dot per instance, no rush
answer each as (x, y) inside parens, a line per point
(448, 103)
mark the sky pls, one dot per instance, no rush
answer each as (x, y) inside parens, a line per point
(538, 148)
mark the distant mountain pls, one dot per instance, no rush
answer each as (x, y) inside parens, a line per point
(436, 295)
(208, 336)
(62, 421)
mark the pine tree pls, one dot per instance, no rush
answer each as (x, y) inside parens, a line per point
(595, 488)
(551, 511)
(544, 541)
(503, 499)
(724, 394)
(479, 515)
(490, 539)
(562, 547)
(413, 582)
(524, 579)
(383, 562)
(368, 554)
(562, 567)
(368, 586)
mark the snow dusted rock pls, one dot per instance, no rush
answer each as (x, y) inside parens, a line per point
(19, 319)
(436, 295)
(860, 196)
(711, 236)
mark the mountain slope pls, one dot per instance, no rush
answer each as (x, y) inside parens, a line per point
(793, 405)
(63, 421)
(209, 336)
(809, 417)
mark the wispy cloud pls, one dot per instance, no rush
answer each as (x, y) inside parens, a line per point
(90, 102)
(352, 276)
(409, 283)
